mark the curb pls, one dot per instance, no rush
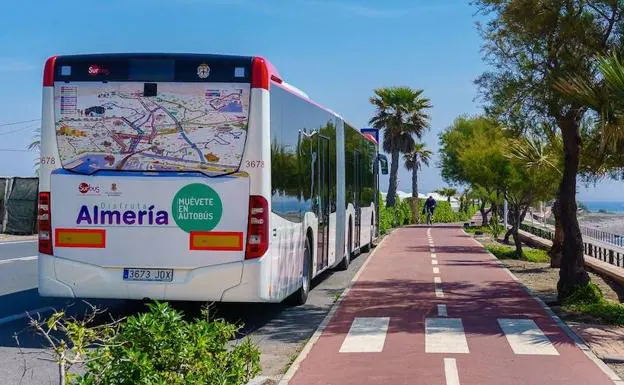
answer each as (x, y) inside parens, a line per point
(575, 337)
(319, 330)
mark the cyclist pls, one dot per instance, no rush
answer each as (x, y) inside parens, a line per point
(428, 208)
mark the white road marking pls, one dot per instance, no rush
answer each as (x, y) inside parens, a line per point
(433, 250)
(437, 280)
(525, 337)
(367, 334)
(25, 314)
(436, 270)
(450, 371)
(445, 335)
(434, 261)
(442, 311)
(32, 257)
(439, 292)
(433, 255)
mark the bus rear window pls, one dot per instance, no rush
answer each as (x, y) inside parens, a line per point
(157, 126)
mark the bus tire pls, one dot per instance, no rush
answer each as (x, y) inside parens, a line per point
(301, 296)
(344, 264)
(367, 247)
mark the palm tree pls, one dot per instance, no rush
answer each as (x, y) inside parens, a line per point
(605, 97)
(414, 160)
(400, 113)
(447, 192)
(35, 145)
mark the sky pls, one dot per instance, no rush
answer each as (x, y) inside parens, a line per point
(336, 51)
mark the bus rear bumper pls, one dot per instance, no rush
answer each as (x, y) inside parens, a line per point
(230, 282)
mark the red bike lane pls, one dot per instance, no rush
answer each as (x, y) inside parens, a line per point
(432, 307)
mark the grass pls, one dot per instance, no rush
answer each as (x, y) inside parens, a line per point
(473, 229)
(508, 252)
(590, 300)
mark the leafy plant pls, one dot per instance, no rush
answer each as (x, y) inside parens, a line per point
(529, 254)
(160, 347)
(496, 228)
(154, 348)
(590, 300)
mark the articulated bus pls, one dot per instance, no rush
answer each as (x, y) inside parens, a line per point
(195, 177)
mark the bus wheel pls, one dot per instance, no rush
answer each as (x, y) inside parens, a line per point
(301, 296)
(344, 264)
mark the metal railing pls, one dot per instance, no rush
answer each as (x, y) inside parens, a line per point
(604, 236)
(605, 253)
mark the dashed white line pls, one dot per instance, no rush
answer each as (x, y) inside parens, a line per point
(450, 371)
(436, 270)
(445, 335)
(439, 292)
(525, 337)
(434, 256)
(442, 310)
(433, 250)
(437, 280)
(30, 258)
(434, 261)
(366, 335)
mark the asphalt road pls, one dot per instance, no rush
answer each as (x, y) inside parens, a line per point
(278, 329)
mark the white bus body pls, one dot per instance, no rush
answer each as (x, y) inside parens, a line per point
(194, 177)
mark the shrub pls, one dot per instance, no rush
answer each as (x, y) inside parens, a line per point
(160, 347)
(507, 252)
(496, 229)
(590, 300)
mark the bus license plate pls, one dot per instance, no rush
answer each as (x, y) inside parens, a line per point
(158, 275)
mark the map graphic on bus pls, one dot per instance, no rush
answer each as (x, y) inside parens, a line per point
(184, 127)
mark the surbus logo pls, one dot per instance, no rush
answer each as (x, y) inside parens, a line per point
(86, 188)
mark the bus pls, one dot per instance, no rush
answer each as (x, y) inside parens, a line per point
(195, 177)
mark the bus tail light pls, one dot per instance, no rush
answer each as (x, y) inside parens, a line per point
(257, 228)
(45, 224)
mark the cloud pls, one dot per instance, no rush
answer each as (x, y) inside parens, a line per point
(15, 65)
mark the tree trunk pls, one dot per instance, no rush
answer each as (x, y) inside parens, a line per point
(556, 251)
(484, 221)
(507, 235)
(415, 192)
(517, 241)
(392, 186)
(572, 272)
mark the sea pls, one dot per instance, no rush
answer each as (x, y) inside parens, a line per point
(608, 206)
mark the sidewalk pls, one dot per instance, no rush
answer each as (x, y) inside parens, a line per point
(439, 310)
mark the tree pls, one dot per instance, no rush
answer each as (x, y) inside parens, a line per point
(533, 179)
(35, 146)
(447, 192)
(605, 97)
(471, 154)
(414, 160)
(530, 44)
(400, 113)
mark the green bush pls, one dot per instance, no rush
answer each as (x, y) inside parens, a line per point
(584, 295)
(401, 214)
(160, 347)
(590, 300)
(507, 252)
(474, 229)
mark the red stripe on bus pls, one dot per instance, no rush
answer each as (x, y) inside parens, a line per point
(48, 72)
(238, 247)
(101, 245)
